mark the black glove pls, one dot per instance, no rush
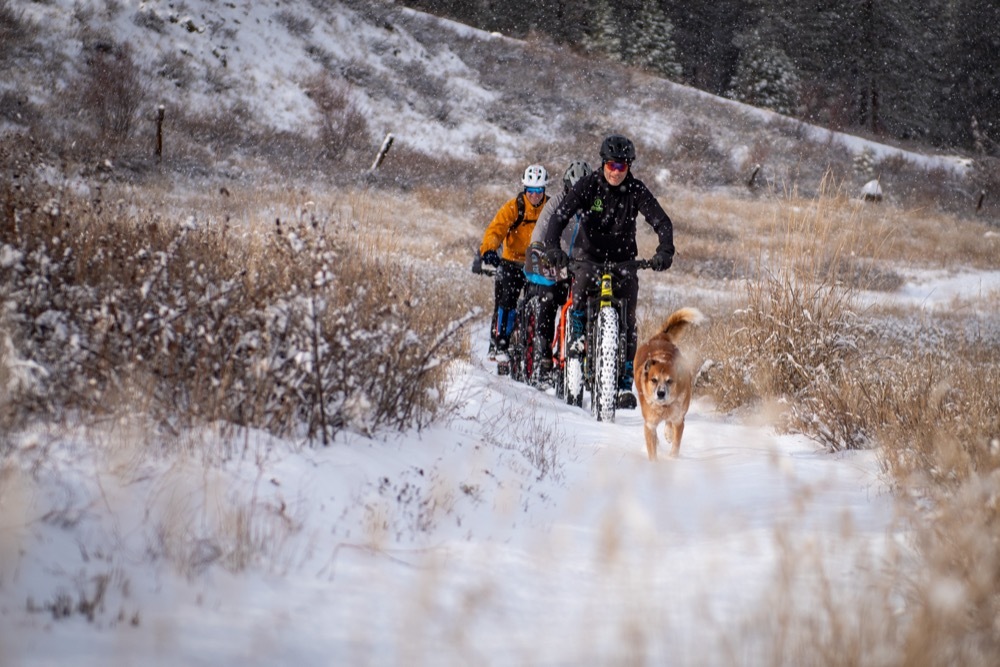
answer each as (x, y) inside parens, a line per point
(557, 257)
(661, 261)
(491, 257)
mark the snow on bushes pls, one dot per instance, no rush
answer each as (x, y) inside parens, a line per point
(293, 330)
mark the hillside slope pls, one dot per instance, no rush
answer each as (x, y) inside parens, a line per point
(443, 89)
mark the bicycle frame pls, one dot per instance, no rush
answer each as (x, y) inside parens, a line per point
(522, 339)
(558, 347)
(603, 400)
(559, 342)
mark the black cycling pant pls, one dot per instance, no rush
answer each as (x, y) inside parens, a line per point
(551, 299)
(586, 282)
(507, 284)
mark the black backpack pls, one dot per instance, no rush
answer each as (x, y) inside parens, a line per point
(520, 210)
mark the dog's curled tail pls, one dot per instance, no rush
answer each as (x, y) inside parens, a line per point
(679, 320)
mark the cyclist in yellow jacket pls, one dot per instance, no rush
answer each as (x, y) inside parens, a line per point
(511, 229)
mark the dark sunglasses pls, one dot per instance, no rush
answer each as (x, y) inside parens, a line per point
(535, 191)
(616, 166)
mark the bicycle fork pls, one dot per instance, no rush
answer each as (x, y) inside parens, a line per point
(605, 299)
(606, 292)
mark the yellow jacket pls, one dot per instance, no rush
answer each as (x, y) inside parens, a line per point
(515, 243)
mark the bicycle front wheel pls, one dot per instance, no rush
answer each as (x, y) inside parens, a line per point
(604, 397)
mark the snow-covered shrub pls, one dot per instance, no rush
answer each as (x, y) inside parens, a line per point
(342, 127)
(296, 24)
(293, 331)
(864, 164)
(798, 337)
(694, 156)
(110, 90)
(353, 343)
(15, 31)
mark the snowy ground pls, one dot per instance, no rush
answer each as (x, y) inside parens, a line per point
(517, 531)
(520, 532)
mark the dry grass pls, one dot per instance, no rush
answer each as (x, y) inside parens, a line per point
(203, 317)
(744, 228)
(923, 390)
(197, 520)
(801, 335)
(931, 408)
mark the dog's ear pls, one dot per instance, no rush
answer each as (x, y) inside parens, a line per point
(646, 366)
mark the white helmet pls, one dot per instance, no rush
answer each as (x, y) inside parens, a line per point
(535, 176)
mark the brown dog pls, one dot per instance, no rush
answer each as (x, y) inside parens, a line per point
(663, 381)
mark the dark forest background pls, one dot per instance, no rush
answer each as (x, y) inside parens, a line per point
(920, 70)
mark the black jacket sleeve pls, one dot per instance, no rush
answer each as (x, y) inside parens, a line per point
(658, 220)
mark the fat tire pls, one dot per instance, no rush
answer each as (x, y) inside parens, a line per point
(605, 364)
(573, 381)
(515, 349)
(530, 357)
(514, 365)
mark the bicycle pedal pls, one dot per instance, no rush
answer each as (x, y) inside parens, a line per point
(503, 367)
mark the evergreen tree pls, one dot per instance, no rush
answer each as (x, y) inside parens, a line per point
(564, 20)
(974, 61)
(652, 44)
(704, 34)
(902, 68)
(602, 34)
(811, 34)
(915, 81)
(874, 64)
(765, 76)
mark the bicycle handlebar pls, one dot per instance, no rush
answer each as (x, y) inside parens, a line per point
(479, 269)
(608, 265)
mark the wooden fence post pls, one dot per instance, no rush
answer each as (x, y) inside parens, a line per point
(160, 111)
(386, 145)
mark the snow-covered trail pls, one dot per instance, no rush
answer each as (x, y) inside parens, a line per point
(452, 547)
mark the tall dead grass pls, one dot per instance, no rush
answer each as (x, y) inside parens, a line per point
(803, 338)
(798, 330)
(922, 390)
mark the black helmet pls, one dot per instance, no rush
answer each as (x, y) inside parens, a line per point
(618, 148)
(574, 172)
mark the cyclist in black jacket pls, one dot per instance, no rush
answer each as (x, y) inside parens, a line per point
(609, 201)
